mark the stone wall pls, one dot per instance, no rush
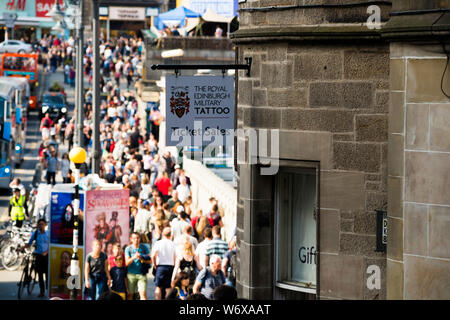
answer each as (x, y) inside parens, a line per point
(419, 163)
(331, 105)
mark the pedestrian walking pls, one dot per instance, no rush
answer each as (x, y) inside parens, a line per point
(216, 246)
(163, 258)
(187, 262)
(210, 278)
(65, 167)
(180, 287)
(136, 257)
(96, 271)
(52, 165)
(119, 277)
(129, 78)
(229, 264)
(42, 239)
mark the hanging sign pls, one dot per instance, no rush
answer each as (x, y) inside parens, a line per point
(126, 13)
(199, 110)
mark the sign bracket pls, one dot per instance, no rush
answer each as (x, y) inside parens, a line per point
(223, 67)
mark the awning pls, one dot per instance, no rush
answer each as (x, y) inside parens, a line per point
(174, 17)
(211, 16)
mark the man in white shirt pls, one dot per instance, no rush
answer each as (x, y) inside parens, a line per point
(178, 224)
(71, 41)
(163, 259)
(183, 189)
(107, 53)
(200, 252)
(119, 65)
(142, 220)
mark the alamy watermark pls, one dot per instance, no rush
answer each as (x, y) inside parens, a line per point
(374, 20)
(254, 146)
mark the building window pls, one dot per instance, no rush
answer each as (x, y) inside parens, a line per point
(296, 229)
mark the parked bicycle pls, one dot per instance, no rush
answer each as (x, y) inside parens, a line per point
(32, 199)
(11, 257)
(29, 277)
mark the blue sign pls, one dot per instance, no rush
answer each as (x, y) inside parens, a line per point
(62, 218)
(18, 115)
(5, 172)
(7, 131)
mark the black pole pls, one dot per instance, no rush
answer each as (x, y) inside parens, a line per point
(247, 66)
(74, 259)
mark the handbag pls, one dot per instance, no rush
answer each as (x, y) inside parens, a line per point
(145, 267)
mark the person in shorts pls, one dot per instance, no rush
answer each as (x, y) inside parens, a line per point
(119, 277)
(163, 258)
(135, 255)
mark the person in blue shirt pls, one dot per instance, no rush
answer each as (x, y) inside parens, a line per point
(41, 236)
(137, 254)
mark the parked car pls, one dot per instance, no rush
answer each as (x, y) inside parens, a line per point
(15, 46)
(53, 103)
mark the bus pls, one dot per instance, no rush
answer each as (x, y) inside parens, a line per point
(18, 114)
(7, 97)
(22, 65)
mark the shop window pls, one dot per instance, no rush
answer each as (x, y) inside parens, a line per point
(296, 252)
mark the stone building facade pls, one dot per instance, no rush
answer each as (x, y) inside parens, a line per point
(363, 126)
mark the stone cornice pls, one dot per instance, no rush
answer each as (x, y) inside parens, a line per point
(341, 32)
(428, 27)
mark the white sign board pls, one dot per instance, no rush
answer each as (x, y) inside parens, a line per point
(126, 13)
(199, 110)
(151, 12)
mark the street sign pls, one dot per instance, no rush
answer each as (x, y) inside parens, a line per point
(9, 18)
(199, 110)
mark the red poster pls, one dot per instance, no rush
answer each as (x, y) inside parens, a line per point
(44, 6)
(107, 218)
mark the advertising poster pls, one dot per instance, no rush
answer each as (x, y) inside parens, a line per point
(61, 218)
(107, 218)
(199, 110)
(44, 6)
(59, 271)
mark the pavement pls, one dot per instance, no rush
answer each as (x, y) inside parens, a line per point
(30, 167)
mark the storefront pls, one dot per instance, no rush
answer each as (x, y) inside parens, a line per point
(31, 24)
(126, 17)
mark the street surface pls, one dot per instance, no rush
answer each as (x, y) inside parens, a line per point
(30, 167)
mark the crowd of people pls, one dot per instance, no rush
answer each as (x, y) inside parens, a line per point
(180, 245)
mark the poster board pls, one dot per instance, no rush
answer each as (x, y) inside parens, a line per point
(61, 239)
(107, 218)
(59, 271)
(61, 218)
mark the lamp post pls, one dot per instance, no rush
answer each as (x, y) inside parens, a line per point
(78, 156)
(77, 6)
(96, 88)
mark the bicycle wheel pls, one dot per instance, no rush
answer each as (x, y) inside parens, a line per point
(11, 258)
(33, 278)
(23, 283)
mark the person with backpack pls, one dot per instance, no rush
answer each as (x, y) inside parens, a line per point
(210, 278)
(229, 264)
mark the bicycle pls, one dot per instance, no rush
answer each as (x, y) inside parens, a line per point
(12, 258)
(29, 276)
